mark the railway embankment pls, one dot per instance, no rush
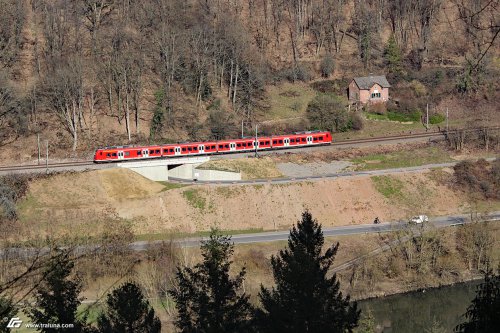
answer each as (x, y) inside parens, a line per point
(83, 203)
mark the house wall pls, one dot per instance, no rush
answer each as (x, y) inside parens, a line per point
(353, 91)
(384, 94)
(364, 96)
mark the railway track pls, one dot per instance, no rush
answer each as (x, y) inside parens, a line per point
(89, 163)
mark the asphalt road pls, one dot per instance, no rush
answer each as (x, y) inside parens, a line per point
(439, 222)
(287, 180)
(272, 236)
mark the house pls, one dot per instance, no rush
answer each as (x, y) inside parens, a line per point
(369, 89)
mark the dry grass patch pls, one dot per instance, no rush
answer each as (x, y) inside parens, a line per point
(250, 168)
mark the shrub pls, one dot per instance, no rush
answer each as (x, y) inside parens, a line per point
(327, 66)
(328, 112)
(357, 122)
(478, 177)
(377, 108)
(419, 88)
(331, 86)
(295, 73)
(436, 118)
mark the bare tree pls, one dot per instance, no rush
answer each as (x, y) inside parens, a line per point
(96, 13)
(64, 96)
(12, 18)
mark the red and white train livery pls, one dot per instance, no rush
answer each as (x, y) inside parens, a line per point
(301, 139)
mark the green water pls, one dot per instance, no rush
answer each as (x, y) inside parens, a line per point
(416, 311)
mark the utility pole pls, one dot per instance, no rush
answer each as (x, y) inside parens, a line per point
(256, 141)
(47, 156)
(38, 144)
(242, 128)
(427, 118)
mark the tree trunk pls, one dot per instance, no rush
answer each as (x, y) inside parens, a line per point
(127, 110)
(230, 81)
(235, 84)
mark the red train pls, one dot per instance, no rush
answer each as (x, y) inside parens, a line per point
(212, 147)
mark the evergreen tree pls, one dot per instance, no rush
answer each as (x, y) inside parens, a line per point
(483, 315)
(392, 55)
(128, 312)
(7, 311)
(207, 298)
(305, 299)
(56, 298)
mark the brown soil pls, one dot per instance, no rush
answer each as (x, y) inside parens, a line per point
(73, 202)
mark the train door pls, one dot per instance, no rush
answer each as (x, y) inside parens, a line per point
(286, 142)
(201, 149)
(120, 155)
(145, 153)
(232, 146)
(309, 140)
(177, 150)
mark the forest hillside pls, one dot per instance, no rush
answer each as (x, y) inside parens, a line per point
(90, 73)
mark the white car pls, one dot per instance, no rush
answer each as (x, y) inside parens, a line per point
(419, 219)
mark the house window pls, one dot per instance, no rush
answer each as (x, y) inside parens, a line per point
(376, 95)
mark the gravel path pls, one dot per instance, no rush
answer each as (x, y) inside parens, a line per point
(312, 169)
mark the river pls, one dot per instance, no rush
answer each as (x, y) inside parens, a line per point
(415, 312)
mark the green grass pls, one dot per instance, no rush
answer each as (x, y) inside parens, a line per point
(177, 235)
(402, 159)
(195, 199)
(227, 191)
(395, 116)
(387, 186)
(171, 186)
(288, 100)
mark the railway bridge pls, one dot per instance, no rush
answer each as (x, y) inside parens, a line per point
(184, 168)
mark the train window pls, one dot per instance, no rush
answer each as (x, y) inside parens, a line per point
(320, 138)
(183, 149)
(157, 151)
(195, 148)
(139, 153)
(227, 146)
(303, 139)
(238, 145)
(221, 146)
(108, 155)
(170, 150)
(281, 141)
(189, 149)
(114, 154)
(100, 153)
(292, 140)
(275, 142)
(315, 139)
(213, 147)
(127, 153)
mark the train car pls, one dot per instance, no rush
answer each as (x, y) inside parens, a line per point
(190, 148)
(301, 139)
(110, 154)
(127, 153)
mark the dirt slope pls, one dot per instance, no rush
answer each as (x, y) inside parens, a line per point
(82, 202)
